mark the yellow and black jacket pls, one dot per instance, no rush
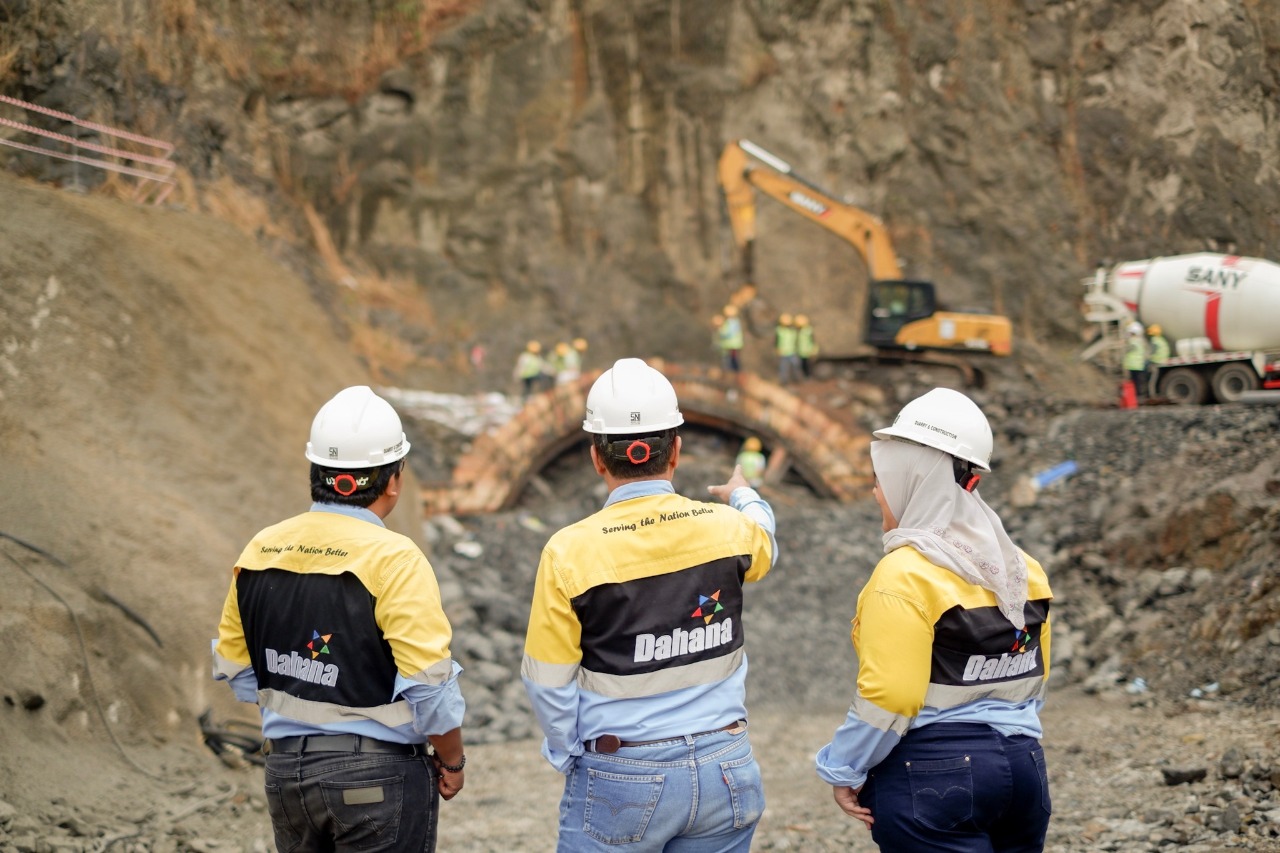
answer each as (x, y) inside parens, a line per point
(636, 623)
(338, 622)
(931, 648)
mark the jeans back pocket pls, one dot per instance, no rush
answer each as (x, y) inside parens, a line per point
(746, 789)
(619, 805)
(941, 791)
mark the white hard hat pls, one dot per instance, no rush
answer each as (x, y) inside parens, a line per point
(356, 429)
(631, 397)
(1135, 328)
(945, 420)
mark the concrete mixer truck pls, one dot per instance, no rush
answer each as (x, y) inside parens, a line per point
(1222, 313)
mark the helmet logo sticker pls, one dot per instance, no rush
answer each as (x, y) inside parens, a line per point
(931, 427)
(635, 417)
(333, 453)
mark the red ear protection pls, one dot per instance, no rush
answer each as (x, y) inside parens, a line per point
(969, 481)
(633, 452)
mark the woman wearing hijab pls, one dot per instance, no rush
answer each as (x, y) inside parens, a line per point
(940, 749)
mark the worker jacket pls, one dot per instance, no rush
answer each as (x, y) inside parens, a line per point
(752, 462)
(333, 623)
(934, 648)
(730, 334)
(806, 346)
(636, 624)
(1135, 353)
(528, 365)
(785, 340)
(1159, 349)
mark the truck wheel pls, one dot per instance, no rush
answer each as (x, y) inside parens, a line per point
(1184, 387)
(1233, 380)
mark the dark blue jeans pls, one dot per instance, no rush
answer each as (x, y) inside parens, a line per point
(960, 787)
(342, 802)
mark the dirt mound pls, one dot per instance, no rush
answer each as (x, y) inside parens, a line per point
(159, 375)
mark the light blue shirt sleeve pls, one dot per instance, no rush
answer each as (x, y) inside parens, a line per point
(244, 684)
(855, 748)
(747, 501)
(437, 708)
(557, 711)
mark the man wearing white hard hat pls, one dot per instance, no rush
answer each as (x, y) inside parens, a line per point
(634, 661)
(334, 627)
(941, 747)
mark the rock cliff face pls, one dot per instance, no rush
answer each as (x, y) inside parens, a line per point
(547, 169)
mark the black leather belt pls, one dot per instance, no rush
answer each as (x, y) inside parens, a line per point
(610, 744)
(341, 743)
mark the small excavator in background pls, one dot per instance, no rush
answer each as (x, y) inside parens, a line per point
(903, 322)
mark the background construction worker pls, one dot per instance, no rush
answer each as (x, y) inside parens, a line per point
(752, 462)
(806, 345)
(333, 625)
(731, 339)
(634, 660)
(1158, 347)
(568, 364)
(784, 344)
(580, 346)
(940, 691)
(1135, 358)
(529, 369)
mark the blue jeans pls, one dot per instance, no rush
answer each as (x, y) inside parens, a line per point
(686, 795)
(347, 801)
(960, 787)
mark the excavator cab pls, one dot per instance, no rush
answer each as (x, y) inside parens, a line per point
(892, 305)
(904, 315)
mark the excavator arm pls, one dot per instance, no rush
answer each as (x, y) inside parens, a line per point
(740, 181)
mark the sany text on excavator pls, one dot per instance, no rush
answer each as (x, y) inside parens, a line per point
(901, 314)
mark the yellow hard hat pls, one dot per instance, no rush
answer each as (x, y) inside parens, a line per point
(802, 320)
(579, 343)
(533, 346)
(562, 348)
(731, 310)
(1154, 329)
(752, 444)
(717, 320)
(784, 319)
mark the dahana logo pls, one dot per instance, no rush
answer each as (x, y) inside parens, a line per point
(681, 642)
(319, 644)
(708, 607)
(302, 668)
(1019, 660)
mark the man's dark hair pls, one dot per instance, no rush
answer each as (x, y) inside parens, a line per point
(362, 486)
(620, 453)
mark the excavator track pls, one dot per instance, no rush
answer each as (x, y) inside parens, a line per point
(969, 375)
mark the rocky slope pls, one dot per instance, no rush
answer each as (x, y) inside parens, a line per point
(542, 170)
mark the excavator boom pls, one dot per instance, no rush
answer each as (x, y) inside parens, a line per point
(740, 181)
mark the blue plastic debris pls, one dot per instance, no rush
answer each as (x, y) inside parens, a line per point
(1058, 472)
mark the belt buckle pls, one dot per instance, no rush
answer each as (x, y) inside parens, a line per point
(607, 744)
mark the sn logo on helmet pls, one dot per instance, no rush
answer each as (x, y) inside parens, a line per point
(635, 417)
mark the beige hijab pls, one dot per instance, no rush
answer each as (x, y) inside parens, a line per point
(950, 527)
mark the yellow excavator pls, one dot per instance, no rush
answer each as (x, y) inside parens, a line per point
(901, 314)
